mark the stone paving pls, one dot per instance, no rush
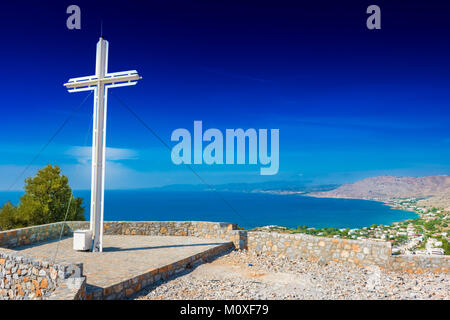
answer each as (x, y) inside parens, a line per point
(124, 257)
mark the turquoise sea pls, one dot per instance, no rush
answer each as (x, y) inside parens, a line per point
(254, 209)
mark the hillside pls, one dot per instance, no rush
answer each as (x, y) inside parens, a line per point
(435, 188)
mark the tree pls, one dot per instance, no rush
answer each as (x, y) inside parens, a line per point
(445, 246)
(47, 197)
(9, 217)
(430, 225)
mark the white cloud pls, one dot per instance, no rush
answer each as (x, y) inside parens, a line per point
(84, 154)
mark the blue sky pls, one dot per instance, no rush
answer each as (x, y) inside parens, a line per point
(349, 102)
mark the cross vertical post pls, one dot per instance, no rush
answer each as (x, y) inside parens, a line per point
(100, 83)
(98, 148)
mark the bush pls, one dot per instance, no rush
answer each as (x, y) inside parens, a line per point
(9, 217)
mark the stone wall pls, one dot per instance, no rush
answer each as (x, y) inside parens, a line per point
(25, 236)
(420, 263)
(23, 277)
(208, 230)
(360, 252)
(318, 248)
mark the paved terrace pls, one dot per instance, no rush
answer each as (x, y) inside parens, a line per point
(126, 258)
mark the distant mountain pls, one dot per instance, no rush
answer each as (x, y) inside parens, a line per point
(389, 187)
(269, 186)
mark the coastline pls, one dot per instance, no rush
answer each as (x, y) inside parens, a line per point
(312, 195)
(424, 234)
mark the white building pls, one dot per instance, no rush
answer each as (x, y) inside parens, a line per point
(435, 251)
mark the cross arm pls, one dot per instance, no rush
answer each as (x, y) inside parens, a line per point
(117, 79)
(81, 83)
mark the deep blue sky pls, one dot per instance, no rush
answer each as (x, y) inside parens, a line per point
(349, 102)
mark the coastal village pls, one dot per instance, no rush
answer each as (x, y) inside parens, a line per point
(428, 234)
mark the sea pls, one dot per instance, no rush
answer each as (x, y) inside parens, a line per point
(248, 210)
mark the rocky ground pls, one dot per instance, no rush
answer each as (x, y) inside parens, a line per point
(244, 275)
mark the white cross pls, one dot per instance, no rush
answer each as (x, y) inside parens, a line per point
(100, 83)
